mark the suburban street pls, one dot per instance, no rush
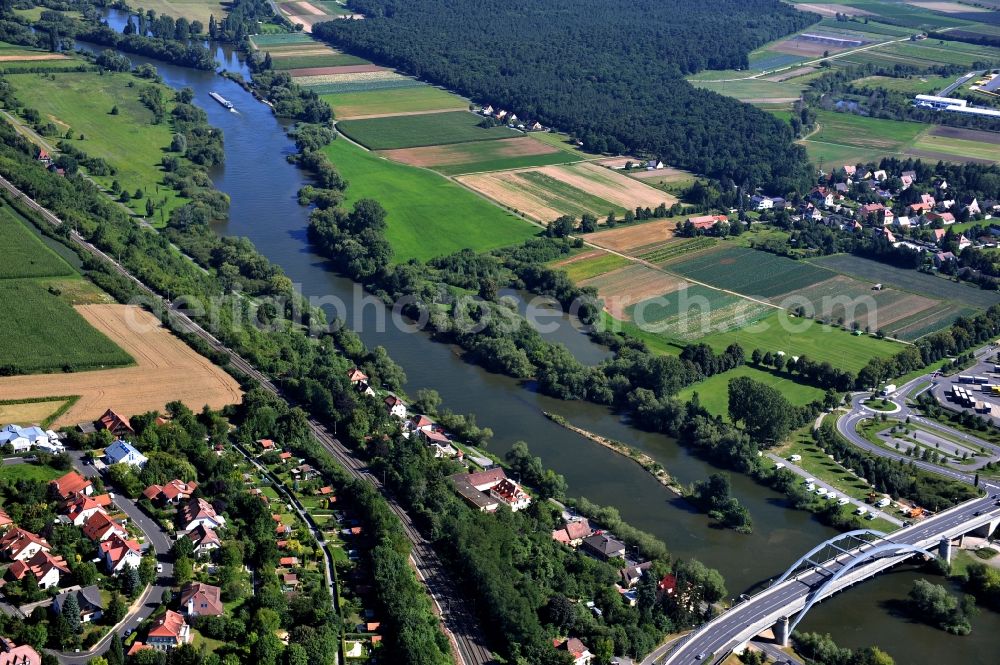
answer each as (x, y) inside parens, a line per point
(158, 540)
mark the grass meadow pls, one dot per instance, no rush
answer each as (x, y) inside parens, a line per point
(411, 131)
(318, 60)
(428, 215)
(713, 392)
(592, 267)
(128, 140)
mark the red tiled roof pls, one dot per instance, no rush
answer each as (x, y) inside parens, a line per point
(356, 375)
(169, 625)
(117, 547)
(18, 655)
(207, 598)
(486, 477)
(113, 421)
(202, 535)
(38, 565)
(70, 484)
(17, 539)
(573, 645)
(99, 523)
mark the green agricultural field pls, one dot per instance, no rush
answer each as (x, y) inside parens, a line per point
(809, 338)
(318, 60)
(909, 280)
(193, 10)
(863, 132)
(481, 156)
(672, 251)
(428, 215)
(25, 255)
(332, 8)
(911, 85)
(713, 392)
(411, 131)
(408, 100)
(956, 150)
(750, 272)
(282, 38)
(583, 269)
(754, 90)
(565, 197)
(128, 140)
(29, 471)
(50, 335)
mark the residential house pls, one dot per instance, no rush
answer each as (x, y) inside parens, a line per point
(5, 520)
(926, 204)
(903, 222)
(632, 574)
(395, 407)
(939, 235)
(973, 207)
(304, 472)
(870, 209)
(604, 547)
(10, 654)
(963, 242)
(100, 527)
(360, 381)
(666, 586)
(123, 452)
(205, 539)
(289, 581)
(202, 600)
(880, 176)
(115, 423)
(172, 493)
(536, 127)
(464, 485)
(841, 188)
(72, 484)
(266, 445)
(654, 165)
(577, 650)
(118, 553)
(850, 170)
(198, 512)
(168, 632)
(285, 456)
(887, 234)
(573, 532)
(437, 439)
(821, 196)
(89, 600)
(945, 218)
(46, 568)
(20, 545)
(511, 494)
(22, 439)
(707, 221)
(488, 110)
(940, 258)
(82, 507)
(760, 202)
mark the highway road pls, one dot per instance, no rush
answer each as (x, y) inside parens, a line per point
(457, 617)
(716, 639)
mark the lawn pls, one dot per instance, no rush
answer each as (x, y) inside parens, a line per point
(863, 132)
(282, 38)
(816, 462)
(411, 131)
(406, 100)
(49, 335)
(754, 90)
(911, 85)
(29, 471)
(713, 392)
(583, 269)
(805, 337)
(428, 215)
(25, 254)
(957, 150)
(128, 140)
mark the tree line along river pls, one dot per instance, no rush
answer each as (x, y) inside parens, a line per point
(263, 189)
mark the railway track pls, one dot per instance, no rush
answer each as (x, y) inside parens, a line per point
(457, 619)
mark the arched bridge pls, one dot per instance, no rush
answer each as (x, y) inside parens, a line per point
(831, 566)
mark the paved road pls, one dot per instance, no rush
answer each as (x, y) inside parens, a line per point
(774, 653)
(961, 81)
(158, 539)
(714, 640)
(455, 609)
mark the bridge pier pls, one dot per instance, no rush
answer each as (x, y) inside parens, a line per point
(986, 530)
(782, 634)
(944, 549)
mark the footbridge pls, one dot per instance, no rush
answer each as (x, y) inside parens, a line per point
(828, 568)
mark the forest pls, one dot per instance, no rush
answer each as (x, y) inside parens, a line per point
(609, 74)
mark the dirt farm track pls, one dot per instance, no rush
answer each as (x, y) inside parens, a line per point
(166, 369)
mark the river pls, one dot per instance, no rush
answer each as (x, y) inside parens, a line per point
(264, 208)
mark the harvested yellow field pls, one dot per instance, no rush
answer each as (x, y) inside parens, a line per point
(626, 239)
(166, 369)
(25, 58)
(29, 413)
(609, 185)
(622, 288)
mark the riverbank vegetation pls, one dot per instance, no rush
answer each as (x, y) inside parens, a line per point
(822, 650)
(936, 606)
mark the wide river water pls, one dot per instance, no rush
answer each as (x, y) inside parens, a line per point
(263, 186)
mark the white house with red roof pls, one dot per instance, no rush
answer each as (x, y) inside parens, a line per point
(198, 512)
(395, 406)
(205, 539)
(577, 649)
(71, 485)
(511, 494)
(20, 545)
(202, 600)
(173, 492)
(46, 568)
(573, 532)
(100, 527)
(81, 508)
(169, 632)
(118, 552)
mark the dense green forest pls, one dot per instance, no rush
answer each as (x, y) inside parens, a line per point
(610, 73)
